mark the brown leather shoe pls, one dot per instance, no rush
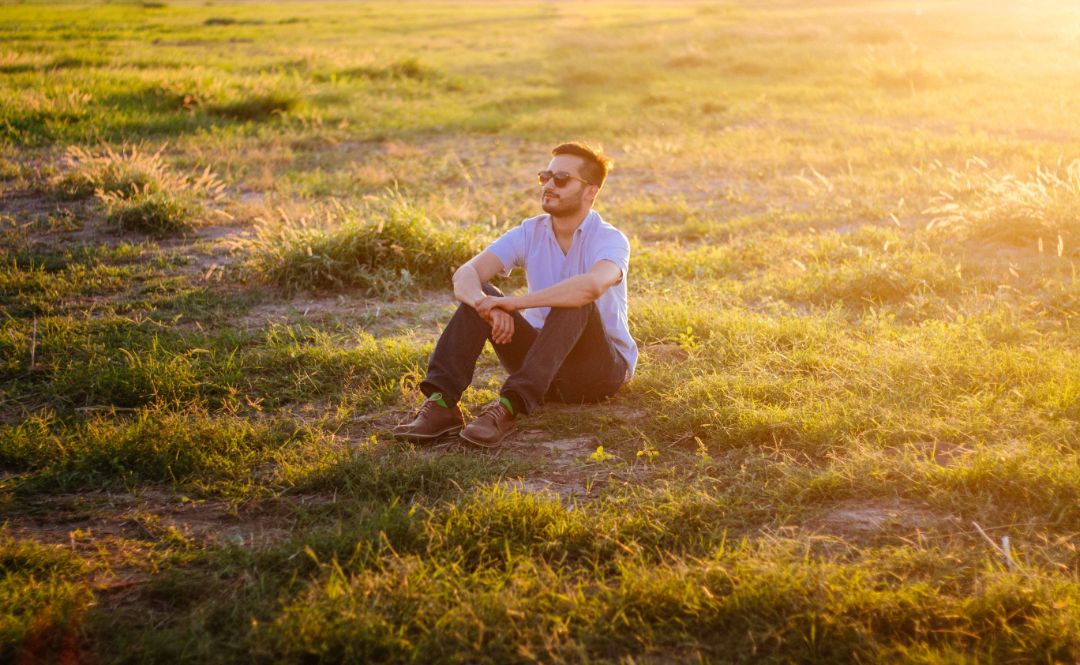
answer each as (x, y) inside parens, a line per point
(490, 427)
(431, 422)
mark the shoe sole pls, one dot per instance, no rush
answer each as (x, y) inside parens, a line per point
(429, 437)
(484, 444)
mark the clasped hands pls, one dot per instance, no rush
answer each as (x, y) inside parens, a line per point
(496, 311)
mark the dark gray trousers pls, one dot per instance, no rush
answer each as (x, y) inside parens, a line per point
(571, 359)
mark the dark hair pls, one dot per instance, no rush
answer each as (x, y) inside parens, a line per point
(597, 164)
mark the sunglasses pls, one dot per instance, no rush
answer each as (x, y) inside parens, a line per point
(560, 178)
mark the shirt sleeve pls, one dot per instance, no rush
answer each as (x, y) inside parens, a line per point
(613, 247)
(510, 248)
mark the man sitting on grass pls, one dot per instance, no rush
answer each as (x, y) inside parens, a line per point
(565, 340)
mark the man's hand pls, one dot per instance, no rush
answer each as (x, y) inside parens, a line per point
(484, 306)
(502, 326)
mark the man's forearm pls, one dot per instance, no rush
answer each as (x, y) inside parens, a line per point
(467, 287)
(573, 292)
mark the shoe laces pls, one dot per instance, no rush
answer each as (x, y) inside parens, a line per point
(428, 405)
(492, 411)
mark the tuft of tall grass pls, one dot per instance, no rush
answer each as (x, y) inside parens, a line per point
(386, 247)
(124, 172)
(868, 279)
(137, 190)
(158, 213)
(228, 20)
(1039, 209)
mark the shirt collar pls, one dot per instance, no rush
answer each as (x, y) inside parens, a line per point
(591, 220)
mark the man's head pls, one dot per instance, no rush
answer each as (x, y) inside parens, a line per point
(587, 169)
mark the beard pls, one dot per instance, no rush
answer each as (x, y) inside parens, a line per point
(561, 206)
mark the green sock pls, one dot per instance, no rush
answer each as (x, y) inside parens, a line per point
(505, 402)
(438, 399)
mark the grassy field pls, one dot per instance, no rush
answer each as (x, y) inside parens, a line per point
(228, 231)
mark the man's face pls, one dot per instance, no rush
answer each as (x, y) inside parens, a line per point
(573, 197)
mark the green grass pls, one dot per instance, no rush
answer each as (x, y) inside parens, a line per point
(384, 248)
(186, 449)
(37, 279)
(158, 213)
(228, 233)
(301, 364)
(44, 601)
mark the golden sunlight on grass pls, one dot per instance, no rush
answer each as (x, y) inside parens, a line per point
(227, 232)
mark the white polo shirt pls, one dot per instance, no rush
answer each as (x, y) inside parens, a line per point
(533, 246)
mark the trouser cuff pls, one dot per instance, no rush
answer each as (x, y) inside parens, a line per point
(429, 389)
(520, 407)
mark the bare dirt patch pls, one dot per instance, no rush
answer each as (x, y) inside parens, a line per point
(861, 518)
(564, 466)
(560, 466)
(144, 515)
(210, 251)
(124, 535)
(556, 465)
(284, 311)
(669, 354)
(377, 316)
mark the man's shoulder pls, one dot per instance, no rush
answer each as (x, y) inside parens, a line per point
(527, 226)
(608, 234)
(532, 222)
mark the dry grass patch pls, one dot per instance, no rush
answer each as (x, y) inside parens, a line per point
(138, 191)
(1040, 209)
(125, 172)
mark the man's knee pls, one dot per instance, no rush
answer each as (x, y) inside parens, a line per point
(488, 290)
(470, 312)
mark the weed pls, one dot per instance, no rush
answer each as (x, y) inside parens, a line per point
(158, 213)
(1017, 211)
(123, 173)
(600, 455)
(137, 190)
